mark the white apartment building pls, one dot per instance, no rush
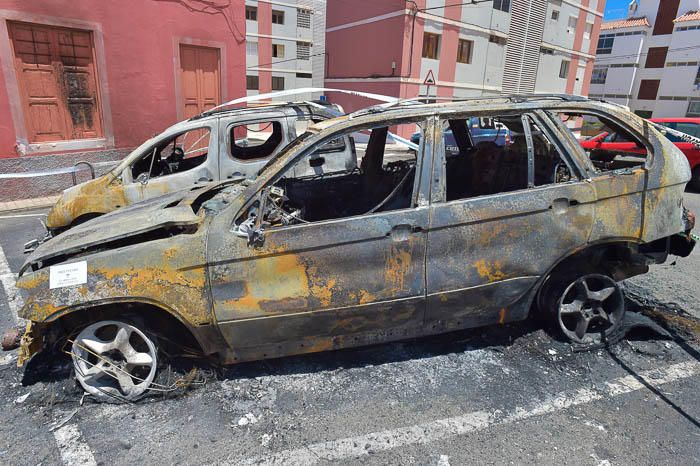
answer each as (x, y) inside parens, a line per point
(651, 60)
(285, 45)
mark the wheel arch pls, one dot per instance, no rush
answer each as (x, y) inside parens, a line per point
(157, 318)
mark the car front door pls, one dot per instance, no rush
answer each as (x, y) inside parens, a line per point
(323, 284)
(504, 216)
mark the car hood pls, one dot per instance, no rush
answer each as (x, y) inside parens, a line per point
(174, 210)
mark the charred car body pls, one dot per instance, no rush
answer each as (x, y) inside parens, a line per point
(430, 242)
(216, 145)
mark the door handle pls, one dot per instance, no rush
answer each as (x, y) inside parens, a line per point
(560, 205)
(402, 231)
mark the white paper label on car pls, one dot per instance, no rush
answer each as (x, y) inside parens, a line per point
(67, 275)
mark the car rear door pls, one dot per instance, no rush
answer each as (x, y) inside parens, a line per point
(486, 252)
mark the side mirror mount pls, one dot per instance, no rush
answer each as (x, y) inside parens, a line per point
(317, 162)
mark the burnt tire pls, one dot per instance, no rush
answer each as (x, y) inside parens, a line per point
(584, 306)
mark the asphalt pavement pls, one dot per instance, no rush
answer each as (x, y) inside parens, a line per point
(500, 395)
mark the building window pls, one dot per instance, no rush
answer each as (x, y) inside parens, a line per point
(251, 13)
(648, 88)
(251, 48)
(589, 31)
(665, 14)
(693, 109)
(57, 80)
(599, 75)
(431, 45)
(573, 21)
(503, 5)
(277, 83)
(697, 78)
(564, 69)
(656, 57)
(303, 51)
(643, 113)
(252, 83)
(546, 51)
(277, 17)
(605, 44)
(277, 51)
(555, 15)
(464, 51)
(304, 75)
(497, 40)
(304, 18)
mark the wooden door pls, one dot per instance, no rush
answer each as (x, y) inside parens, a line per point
(201, 85)
(57, 82)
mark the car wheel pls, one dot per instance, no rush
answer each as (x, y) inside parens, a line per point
(590, 309)
(114, 361)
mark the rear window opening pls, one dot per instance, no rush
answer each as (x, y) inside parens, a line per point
(256, 140)
(608, 145)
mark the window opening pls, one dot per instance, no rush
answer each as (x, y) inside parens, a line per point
(175, 155)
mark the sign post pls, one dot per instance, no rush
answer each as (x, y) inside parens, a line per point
(428, 82)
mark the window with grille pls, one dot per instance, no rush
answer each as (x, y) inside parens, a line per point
(464, 51)
(693, 109)
(277, 83)
(599, 75)
(431, 45)
(497, 39)
(605, 44)
(503, 5)
(277, 51)
(303, 18)
(251, 48)
(564, 69)
(252, 83)
(251, 13)
(277, 17)
(303, 51)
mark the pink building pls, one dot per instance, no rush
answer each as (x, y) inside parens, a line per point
(91, 79)
(491, 47)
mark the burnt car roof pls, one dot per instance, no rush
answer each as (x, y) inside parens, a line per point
(312, 107)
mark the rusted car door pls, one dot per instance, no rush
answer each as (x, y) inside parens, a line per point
(326, 284)
(486, 252)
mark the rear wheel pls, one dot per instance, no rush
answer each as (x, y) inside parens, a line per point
(591, 309)
(114, 360)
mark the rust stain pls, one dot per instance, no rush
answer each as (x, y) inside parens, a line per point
(502, 316)
(397, 268)
(490, 271)
(324, 293)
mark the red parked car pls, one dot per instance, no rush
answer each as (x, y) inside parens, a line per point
(613, 142)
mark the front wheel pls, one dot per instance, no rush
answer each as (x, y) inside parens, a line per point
(114, 360)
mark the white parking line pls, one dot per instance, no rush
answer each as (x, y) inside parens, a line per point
(73, 450)
(7, 278)
(21, 216)
(441, 429)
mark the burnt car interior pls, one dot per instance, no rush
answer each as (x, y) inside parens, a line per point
(489, 168)
(178, 154)
(618, 148)
(256, 141)
(382, 182)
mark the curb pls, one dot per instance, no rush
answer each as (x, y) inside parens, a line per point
(24, 204)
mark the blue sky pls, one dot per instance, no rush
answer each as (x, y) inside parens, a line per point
(616, 9)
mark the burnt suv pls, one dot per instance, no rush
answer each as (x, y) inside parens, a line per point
(403, 245)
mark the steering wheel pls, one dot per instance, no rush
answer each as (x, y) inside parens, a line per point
(176, 155)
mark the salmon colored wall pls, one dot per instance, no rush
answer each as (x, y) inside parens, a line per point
(265, 47)
(344, 12)
(378, 43)
(139, 57)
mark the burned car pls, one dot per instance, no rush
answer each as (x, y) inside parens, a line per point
(403, 245)
(216, 145)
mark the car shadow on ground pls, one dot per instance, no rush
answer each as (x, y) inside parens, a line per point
(529, 336)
